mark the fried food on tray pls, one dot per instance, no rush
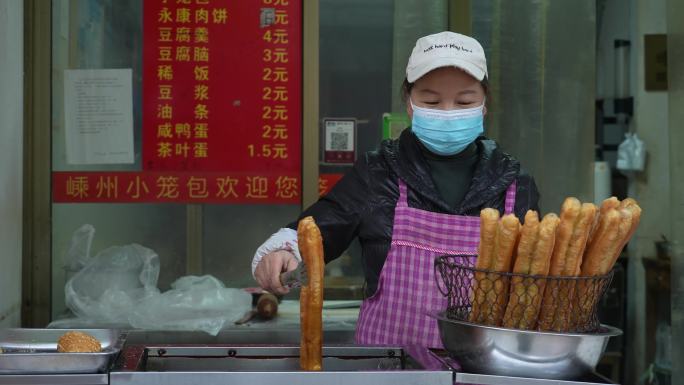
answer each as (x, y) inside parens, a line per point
(78, 342)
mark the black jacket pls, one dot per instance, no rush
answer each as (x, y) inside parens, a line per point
(362, 203)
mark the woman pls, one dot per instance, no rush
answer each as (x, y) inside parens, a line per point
(416, 197)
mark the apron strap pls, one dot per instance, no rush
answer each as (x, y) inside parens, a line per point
(509, 204)
(403, 194)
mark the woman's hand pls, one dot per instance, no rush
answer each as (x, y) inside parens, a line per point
(267, 272)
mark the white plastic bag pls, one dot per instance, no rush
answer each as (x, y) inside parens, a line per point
(631, 154)
(112, 283)
(79, 248)
(193, 303)
(119, 286)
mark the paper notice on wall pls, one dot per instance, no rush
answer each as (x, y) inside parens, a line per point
(98, 113)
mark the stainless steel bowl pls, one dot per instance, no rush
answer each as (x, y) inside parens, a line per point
(520, 353)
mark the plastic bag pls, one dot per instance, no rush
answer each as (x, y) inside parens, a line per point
(119, 286)
(112, 283)
(193, 303)
(79, 248)
(631, 154)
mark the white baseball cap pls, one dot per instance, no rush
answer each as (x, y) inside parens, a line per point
(446, 49)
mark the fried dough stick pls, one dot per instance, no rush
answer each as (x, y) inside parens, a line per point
(573, 232)
(533, 258)
(311, 297)
(498, 239)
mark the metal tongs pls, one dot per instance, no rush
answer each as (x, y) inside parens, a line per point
(295, 278)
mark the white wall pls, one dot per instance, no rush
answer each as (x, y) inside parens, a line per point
(651, 124)
(631, 20)
(675, 53)
(11, 139)
(651, 188)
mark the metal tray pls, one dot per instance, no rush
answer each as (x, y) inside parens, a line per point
(34, 351)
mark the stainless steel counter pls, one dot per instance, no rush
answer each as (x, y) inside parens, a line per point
(267, 353)
(256, 357)
(55, 379)
(251, 365)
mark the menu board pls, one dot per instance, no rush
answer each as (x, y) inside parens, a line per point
(221, 107)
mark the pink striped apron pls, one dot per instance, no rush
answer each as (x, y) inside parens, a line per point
(397, 313)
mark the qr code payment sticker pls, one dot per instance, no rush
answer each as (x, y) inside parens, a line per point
(339, 141)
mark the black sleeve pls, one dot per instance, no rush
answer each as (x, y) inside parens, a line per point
(527, 195)
(338, 214)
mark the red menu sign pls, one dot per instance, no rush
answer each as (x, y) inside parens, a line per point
(222, 85)
(221, 99)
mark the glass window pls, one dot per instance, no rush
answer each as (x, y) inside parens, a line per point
(363, 52)
(108, 34)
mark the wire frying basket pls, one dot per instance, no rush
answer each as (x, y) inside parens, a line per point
(519, 301)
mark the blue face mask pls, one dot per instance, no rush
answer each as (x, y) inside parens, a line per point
(447, 132)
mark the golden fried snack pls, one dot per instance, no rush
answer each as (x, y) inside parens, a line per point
(636, 219)
(506, 239)
(578, 242)
(310, 244)
(623, 228)
(78, 342)
(628, 202)
(489, 221)
(541, 260)
(631, 205)
(541, 264)
(527, 292)
(558, 296)
(597, 258)
(603, 243)
(616, 227)
(529, 237)
(606, 205)
(569, 216)
(630, 213)
(496, 299)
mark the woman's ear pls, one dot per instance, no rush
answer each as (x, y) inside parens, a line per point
(409, 108)
(484, 110)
